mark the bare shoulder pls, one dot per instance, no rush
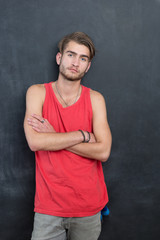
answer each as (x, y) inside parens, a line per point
(36, 91)
(98, 104)
(96, 97)
(35, 99)
(37, 88)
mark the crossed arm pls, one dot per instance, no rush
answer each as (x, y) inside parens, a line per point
(44, 137)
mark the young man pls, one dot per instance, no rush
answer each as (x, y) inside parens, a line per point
(66, 125)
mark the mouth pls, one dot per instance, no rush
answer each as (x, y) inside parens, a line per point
(73, 70)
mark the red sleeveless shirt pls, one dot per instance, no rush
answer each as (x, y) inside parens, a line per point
(68, 185)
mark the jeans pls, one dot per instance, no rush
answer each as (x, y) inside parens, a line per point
(47, 227)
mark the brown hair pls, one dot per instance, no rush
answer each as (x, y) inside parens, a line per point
(78, 37)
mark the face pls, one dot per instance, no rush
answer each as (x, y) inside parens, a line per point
(74, 62)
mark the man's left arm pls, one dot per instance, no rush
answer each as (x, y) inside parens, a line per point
(100, 149)
(99, 146)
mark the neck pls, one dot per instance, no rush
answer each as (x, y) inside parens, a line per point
(68, 87)
(67, 92)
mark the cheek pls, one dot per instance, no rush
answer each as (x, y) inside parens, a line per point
(66, 62)
(62, 64)
(86, 68)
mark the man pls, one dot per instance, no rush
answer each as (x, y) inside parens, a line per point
(66, 125)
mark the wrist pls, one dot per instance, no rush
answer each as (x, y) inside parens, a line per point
(82, 135)
(85, 136)
(88, 136)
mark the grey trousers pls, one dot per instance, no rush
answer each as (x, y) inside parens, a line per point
(47, 227)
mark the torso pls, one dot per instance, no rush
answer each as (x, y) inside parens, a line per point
(93, 94)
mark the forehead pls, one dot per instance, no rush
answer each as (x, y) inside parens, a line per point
(80, 49)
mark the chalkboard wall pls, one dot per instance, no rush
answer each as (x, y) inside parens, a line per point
(126, 70)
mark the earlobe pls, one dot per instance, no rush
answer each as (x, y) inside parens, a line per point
(58, 58)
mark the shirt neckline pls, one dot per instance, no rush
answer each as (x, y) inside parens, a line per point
(70, 105)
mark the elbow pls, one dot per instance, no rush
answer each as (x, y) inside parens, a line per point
(31, 138)
(104, 156)
(33, 142)
(33, 148)
(106, 151)
(33, 145)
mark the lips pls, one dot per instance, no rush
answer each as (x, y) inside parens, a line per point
(73, 70)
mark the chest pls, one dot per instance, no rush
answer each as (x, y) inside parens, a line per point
(72, 118)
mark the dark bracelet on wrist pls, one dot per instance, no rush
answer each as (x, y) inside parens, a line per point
(84, 139)
(89, 137)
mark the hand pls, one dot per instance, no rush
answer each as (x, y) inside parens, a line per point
(39, 124)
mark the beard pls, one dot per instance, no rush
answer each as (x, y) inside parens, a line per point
(65, 72)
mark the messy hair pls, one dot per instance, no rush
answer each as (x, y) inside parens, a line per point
(80, 38)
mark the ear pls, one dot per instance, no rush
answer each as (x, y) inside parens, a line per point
(89, 65)
(58, 58)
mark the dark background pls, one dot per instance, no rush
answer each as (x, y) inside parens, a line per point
(126, 70)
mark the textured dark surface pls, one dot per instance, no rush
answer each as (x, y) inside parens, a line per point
(126, 71)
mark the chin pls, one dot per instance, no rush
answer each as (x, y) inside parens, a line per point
(70, 77)
(73, 80)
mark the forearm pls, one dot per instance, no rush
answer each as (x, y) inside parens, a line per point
(42, 136)
(96, 151)
(53, 141)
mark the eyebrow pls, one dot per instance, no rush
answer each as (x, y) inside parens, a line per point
(82, 55)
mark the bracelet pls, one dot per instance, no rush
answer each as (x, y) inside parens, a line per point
(89, 137)
(84, 139)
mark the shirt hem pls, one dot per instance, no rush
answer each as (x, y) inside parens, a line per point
(77, 214)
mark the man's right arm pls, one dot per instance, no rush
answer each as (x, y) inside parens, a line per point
(99, 146)
(50, 141)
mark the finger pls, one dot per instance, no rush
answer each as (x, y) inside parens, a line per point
(32, 124)
(43, 121)
(47, 124)
(36, 129)
(46, 121)
(33, 121)
(40, 130)
(38, 117)
(37, 123)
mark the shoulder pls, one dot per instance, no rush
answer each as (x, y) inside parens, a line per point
(96, 97)
(98, 103)
(36, 88)
(36, 91)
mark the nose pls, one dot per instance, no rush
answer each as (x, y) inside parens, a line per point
(75, 62)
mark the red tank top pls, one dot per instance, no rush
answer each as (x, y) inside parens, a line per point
(67, 184)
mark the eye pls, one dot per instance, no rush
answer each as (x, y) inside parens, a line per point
(70, 54)
(83, 59)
